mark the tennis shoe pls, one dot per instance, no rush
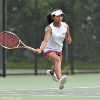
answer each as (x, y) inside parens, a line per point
(62, 81)
(53, 76)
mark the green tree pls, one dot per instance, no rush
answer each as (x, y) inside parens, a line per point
(20, 19)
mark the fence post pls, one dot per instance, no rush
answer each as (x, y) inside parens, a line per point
(72, 36)
(2, 28)
(35, 35)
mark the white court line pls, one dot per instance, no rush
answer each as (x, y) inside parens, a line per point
(52, 95)
(75, 87)
(4, 90)
(47, 89)
(29, 89)
(86, 93)
(10, 92)
(67, 94)
(50, 92)
(53, 88)
(32, 92)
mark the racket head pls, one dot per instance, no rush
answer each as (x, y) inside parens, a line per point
(9, 40)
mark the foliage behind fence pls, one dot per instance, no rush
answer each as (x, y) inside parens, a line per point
(86, 31)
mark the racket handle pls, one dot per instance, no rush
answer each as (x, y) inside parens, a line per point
(32, 49)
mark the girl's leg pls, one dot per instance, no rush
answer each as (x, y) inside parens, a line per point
(52, 70)
(56, 60)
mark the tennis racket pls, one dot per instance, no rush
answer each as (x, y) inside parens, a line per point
(10, 40)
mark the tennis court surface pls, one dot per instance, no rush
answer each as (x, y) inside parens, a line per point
(42, 87)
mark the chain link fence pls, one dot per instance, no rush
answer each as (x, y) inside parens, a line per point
(27, 19)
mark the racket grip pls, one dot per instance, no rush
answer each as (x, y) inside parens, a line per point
(32, 49)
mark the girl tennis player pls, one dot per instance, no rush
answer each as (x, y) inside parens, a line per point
(55, 33)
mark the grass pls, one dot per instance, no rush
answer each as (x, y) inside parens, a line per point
(87, 65)
(44, 64)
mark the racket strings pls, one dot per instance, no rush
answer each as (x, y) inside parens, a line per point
(9, 40)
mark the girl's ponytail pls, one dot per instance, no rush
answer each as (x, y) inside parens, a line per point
(49, 18)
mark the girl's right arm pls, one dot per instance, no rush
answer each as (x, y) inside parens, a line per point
(44, 42)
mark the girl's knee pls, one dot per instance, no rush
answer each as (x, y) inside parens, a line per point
(57, 59)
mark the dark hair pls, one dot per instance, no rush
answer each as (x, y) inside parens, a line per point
(49, 17)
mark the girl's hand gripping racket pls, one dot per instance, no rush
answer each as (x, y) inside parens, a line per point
(10, 40)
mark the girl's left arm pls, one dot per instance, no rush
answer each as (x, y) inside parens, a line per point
(68, 37)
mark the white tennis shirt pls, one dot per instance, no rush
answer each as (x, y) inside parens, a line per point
(57, 37)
